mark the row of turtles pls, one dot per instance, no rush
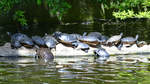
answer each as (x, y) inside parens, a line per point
(83, 42)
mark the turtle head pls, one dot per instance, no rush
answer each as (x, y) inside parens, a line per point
(46, 34)
(84, 34)
(75, 44)
(137, 36)
(121, 34)
(57, 34)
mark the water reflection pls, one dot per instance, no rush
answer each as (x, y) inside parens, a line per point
(31, 70)
(107, 28)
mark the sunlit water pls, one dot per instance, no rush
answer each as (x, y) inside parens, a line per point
(84, 71)
(76, 70)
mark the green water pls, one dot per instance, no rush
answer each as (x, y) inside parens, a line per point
(31, 71)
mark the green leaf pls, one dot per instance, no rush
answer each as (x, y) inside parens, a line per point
(38, 2)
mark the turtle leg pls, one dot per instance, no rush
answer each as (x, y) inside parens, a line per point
(98, 46)
(130, 45)
(119, 46)
(85, 50)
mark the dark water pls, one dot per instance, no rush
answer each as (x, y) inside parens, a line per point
(75, 70)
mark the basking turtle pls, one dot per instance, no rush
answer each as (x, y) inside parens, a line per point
(129, 40)
(15, 44)
(50, 41)
(114, 40)
(82, 46)
(90, 40)
(101, 54)
(45, 53)
(65, 39)
(103, 40)
(19, 39)
(38, 41)
(95, 34)
(27, 42)
(57, 34)
(77, 36)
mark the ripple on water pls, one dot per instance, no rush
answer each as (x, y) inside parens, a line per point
(83, 72)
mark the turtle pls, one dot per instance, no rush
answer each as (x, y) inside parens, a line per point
(44, 53)
(103, 40)
(57, 34)
(101, 54)
(129, 40)
(82, 46)
(23, 39)
(15, 44)
(114, 40)
(65, 39)
(90, 40)
(77, 36)
(95, 34)
(39, 41)
(50, 41)
(19, 39)
(27, 42)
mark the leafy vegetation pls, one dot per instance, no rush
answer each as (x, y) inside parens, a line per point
(127, 8)
(57, 8)
(19, 16)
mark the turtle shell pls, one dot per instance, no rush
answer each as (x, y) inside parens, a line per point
(67, 39)
(82, 46)
(129, 40)
(19, 38)
(50, 41)
(38, 41)
(27, 42)
(114, 40)
(90, 40)
(95, 34)
(101, 54)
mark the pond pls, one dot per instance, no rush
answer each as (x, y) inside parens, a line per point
(76, 69)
